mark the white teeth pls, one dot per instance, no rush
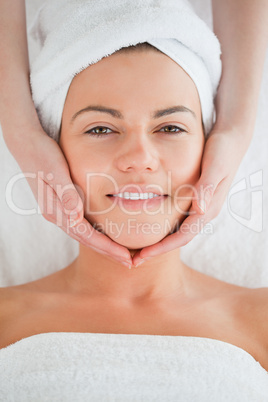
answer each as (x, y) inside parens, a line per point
(136, 196)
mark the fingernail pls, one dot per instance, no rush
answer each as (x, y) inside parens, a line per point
(73, 222)
(139, 263)
(202, 205)
(98, 250)
(127, 264)
(142, 260)
(75, 215)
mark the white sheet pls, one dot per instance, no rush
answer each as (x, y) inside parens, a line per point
(235, 248)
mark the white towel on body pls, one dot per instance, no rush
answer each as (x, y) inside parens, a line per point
(82, 367)
(73, 34)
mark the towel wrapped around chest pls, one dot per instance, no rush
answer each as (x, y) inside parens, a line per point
(84, 367)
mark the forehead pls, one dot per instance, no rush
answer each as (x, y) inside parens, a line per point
(132, 67)
(146, 77)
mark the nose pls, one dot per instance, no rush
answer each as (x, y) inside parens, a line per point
(138, 154)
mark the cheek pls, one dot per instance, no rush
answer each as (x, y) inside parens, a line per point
(82, 165)
(186, 164)
(89, 174)
(185, 176)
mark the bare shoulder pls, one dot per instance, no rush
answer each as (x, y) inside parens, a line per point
(10, 301)
(251, 309)
(16, 299)
(248, 308)
(259, 297)
(6, 295)
(9, 307)
(256, 299)
(17, 303)
(256, 303)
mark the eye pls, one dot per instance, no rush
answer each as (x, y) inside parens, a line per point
(101, 132)
(171, 129)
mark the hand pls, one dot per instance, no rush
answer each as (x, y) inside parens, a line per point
(223, 153)
(47, 173)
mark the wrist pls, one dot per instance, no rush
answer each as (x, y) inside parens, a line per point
(236, 133)
(235, 112)
(20, 131)
(21, 120)
(17, 109)
(243, 126)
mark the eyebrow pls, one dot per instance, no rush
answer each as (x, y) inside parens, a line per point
(117, 114)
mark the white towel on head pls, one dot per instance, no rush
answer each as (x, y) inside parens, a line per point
(76, 33)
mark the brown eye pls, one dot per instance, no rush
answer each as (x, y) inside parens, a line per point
(99, 131)
(172, 129)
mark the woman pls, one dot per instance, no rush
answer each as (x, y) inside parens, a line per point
(236, 104)
(140, 148)
(94, 294)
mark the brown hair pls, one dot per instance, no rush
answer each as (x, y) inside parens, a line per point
(139, 46)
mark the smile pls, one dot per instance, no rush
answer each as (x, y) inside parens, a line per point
(135, 196)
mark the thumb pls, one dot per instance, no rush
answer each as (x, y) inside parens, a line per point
(204, 191)
(71, 197)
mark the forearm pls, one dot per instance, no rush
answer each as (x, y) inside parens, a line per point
(242, 28)
(17, 111)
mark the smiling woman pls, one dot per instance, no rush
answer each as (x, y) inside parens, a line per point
(145, 145)
(132, 128)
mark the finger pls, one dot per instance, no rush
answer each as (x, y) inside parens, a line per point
(204, 192)
(137, 260)
(214, 170)
(171, 241)
(164, 246)
(90, 237)
(206, 187)
(190, 227)
(83, 231)
(50, 205)
(70, 195)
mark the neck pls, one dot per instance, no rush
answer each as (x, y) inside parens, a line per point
(161, 278)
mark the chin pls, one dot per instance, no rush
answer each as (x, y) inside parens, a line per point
(136, 242)
(136, 235)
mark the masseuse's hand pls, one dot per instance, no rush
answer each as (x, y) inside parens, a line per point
(36, 153)
(241, 27)
(47, 173)
(222, 155)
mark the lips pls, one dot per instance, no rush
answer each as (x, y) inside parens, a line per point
(136, 196)
(137, 204)
(138, 189)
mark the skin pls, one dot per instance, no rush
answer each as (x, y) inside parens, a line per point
(163, 296)
(134, 151)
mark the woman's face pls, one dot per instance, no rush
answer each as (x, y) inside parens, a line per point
(135, 149)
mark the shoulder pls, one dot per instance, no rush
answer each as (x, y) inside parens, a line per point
(16, 303)
(14, 300)
(7, 309)
(247, 308)
(252, 312)
(6, 295)
(9, 301)
(257, 303)
(257, 299)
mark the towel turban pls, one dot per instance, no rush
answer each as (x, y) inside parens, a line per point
(73, 34)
